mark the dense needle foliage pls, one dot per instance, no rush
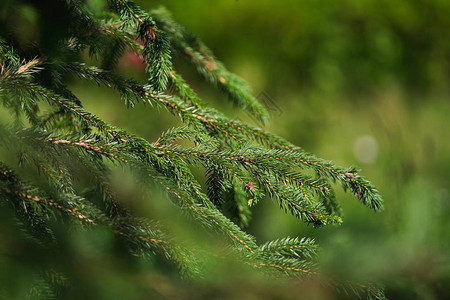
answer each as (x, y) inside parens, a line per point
(59, 156)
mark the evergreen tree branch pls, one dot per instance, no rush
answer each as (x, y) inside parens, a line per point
(295, 248)
(360, 187)
(136, 231)
(32, 199)
(242, 162)
(189, 46)
(184, 90)
(209, 214)
(156, 50)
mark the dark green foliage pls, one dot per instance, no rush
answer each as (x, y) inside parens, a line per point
(64, 153)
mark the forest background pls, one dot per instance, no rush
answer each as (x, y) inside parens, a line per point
(361, 83)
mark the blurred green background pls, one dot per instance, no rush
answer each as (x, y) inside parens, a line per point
(361, 83)
(358, 82)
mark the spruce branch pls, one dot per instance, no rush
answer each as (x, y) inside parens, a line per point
(209, 215)
(290, 247)
(62, 142)
(33, 200)
(185, 92)
(156, 50)
(189, 46)
(138, 232)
